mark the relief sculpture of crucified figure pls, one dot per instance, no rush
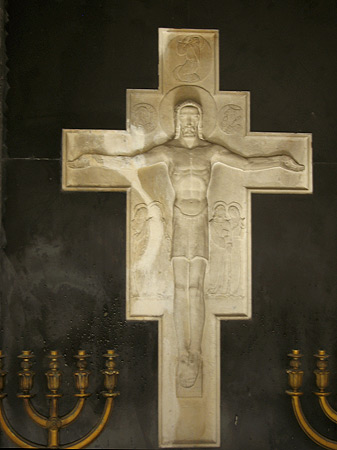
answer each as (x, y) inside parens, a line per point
(189, 164)
(189, 159)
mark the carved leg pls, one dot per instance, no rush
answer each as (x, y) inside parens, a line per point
(189, 366)
(181, 309)
(197, 303)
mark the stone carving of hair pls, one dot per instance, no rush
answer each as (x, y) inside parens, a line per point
(178, 108)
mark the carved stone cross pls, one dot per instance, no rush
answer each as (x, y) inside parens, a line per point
(189, 164)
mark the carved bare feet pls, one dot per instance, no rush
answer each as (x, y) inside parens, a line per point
(188, 369)
(213, 289)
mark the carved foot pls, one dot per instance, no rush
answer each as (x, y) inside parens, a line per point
(213, 289)
(188, 369)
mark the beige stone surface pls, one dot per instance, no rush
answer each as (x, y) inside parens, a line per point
(189, 163)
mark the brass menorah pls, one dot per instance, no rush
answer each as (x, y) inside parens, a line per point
(54, 423)
(295, 378)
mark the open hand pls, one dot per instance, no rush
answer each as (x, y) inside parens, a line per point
(85, 161)
(287, 162)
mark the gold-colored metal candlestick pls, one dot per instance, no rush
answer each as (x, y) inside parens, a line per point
(295, 378)
(3, 374)
(110, 374)
(26, 375)
(295, 374)
(54, 375)
(82, 374)
(322, 374)
(322, 382)
(54, 423)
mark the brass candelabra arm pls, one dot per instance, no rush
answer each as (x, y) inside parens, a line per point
(81, 376)
(110, 381)
(322, 382)
(26, 378)
(326, 408)
(4, 422)
(74, 414)
(38, 418)
(96, 431)
(295, 378)
(14, 436)
(307, 428)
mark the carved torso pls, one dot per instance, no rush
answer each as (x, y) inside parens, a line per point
(190, 172)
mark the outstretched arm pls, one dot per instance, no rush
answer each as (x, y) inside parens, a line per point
(149, 158)
(257, 162)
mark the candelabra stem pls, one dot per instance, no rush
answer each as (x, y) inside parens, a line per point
(54, 377)
(54, 423)
(53, 408)
(53, 438)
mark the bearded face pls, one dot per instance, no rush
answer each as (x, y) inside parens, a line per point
(189, 118)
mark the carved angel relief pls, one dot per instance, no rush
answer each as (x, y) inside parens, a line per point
(144, 117)
(226, 227)
(195, 50)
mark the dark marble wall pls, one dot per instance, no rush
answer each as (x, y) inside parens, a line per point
(63, 254)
